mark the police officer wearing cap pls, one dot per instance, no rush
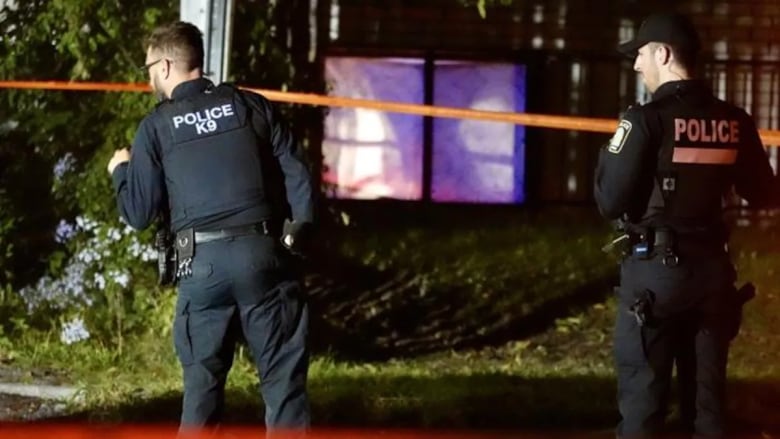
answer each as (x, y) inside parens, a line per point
(207, 157)
(664, 175)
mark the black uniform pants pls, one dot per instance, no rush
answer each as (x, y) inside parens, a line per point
(688, 326)
(242, 285)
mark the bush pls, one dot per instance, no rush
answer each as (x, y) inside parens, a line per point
(72, 265)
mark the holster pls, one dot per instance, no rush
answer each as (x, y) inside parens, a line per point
(166, 256)
(642, 308)
(737, 300)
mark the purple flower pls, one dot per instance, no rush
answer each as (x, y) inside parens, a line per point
(63, 165)
(65, 231)
(74, 331)
(61, 293)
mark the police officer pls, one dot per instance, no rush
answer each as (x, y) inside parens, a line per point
(665, 173)
(206, 156)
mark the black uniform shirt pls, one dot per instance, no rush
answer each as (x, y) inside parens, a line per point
(140, 183)
(628, 165)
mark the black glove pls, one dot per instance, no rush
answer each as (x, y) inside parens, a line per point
(296, 236)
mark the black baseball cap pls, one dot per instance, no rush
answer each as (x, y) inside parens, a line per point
(673, 29)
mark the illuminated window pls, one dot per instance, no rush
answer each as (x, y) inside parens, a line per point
(473, 160)
(371, 154)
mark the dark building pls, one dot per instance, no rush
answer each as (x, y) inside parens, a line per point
(563, 53)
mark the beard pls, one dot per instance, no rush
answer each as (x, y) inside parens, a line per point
(157, 89)
(651, 81)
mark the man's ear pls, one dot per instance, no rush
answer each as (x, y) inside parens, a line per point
(167, 68)
(663, 54)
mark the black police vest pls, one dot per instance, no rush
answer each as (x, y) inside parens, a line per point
(212, 164)
(699, 141)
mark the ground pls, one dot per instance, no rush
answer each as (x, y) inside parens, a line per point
(453, 318)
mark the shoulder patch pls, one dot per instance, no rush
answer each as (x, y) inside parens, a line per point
(620, 136)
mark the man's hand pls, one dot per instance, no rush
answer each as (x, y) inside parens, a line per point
(120, 156)
(296, 236)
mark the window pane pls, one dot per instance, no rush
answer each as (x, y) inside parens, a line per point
(370, 153)
(478, 161)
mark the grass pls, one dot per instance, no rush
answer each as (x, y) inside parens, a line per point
(444, 321)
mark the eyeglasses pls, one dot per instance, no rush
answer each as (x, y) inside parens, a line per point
(146, 67)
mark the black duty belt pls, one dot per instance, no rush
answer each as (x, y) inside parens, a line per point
(261, 228)
(664, 238)
(662, 242)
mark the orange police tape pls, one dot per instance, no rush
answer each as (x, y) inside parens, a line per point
(72, 431)
(768, 137)
(51, 431)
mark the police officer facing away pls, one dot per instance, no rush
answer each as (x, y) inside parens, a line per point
(665, 172)
(206, 156)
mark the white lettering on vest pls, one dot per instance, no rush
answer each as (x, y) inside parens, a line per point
(204, 121)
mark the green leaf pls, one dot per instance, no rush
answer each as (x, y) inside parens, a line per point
(481, 8)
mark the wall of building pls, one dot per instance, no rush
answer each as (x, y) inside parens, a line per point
(568, 48)
(738, 29)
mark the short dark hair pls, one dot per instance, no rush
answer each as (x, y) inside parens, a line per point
(181, 41)
(685, 57)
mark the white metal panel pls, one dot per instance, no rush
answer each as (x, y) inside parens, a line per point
(214, 19)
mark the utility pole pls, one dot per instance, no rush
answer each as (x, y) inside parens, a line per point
(215, 19)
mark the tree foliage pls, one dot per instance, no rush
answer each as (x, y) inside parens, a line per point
(483, 5)
(54, 147)
(66, 260)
